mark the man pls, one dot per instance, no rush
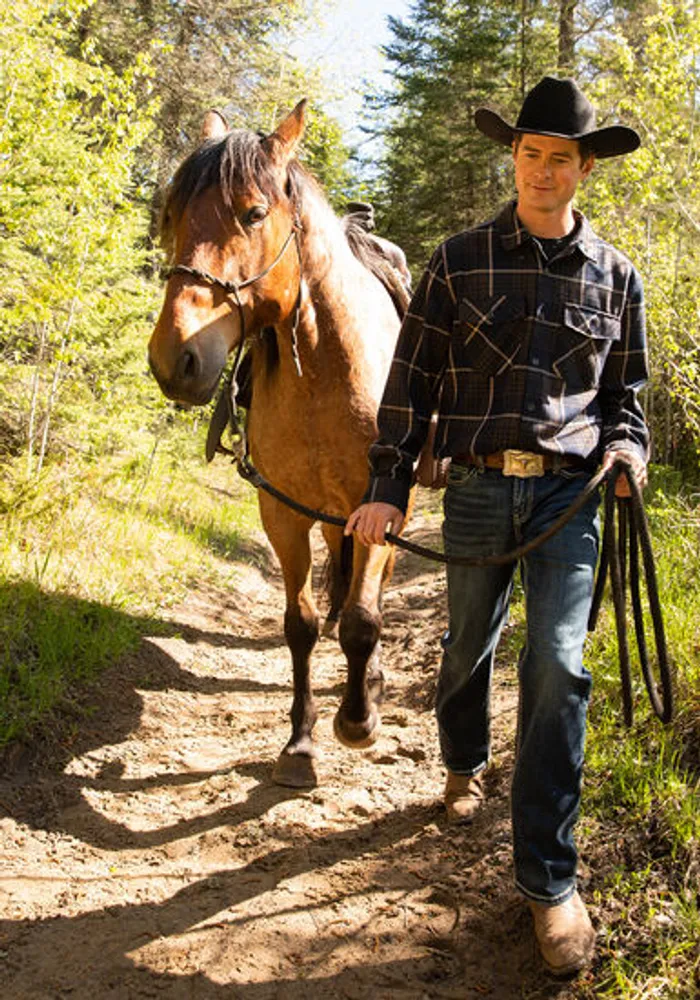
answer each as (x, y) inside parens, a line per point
(526, 335)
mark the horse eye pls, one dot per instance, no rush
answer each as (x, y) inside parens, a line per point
(255, 215)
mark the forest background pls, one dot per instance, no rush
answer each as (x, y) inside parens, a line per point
(99, 101)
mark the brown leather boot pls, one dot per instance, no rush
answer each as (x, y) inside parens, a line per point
(565, 935)
(464, 795)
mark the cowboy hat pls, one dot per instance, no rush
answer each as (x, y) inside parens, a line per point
(558, 108)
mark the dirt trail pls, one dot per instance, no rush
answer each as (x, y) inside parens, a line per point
(156, 858)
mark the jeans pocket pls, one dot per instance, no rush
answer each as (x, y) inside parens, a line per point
(460, 475)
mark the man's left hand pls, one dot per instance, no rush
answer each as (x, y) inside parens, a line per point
(638, 467)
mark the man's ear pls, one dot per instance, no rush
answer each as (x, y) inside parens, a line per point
(587, 166)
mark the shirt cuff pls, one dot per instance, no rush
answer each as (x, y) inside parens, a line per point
(388, 489)
(633, 446)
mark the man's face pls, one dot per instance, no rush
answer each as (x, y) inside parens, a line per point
(547, 172)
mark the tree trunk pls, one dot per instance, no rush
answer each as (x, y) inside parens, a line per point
(565, 55)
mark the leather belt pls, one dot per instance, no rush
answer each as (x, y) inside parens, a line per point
(523, 464)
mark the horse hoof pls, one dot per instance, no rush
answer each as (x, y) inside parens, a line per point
(295, 770)
(357, 735)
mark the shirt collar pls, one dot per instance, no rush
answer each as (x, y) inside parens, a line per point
(513, 233)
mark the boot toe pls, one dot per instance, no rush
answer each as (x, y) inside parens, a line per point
(565, 935)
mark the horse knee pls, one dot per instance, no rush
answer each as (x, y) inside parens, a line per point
(301, 630)
(359, 633)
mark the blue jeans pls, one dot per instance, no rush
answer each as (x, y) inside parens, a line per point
(487, 512)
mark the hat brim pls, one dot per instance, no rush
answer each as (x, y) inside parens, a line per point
(614, 140)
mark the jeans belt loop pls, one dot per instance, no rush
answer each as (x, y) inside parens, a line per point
(523, 464)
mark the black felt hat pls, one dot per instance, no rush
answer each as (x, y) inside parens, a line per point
(558, 108)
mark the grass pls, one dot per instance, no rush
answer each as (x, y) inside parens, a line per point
(94, 550)
(640, 831)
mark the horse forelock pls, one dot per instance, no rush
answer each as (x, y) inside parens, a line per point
(232, 164)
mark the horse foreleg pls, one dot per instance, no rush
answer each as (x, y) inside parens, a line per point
(289, 536)
(340, 548)
(357, 720)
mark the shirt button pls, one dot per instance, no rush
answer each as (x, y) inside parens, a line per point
(535, 359)
(530, 407)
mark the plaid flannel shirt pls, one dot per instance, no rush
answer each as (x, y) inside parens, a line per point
(515, 351)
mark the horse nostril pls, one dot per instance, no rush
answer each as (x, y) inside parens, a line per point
(188, 365)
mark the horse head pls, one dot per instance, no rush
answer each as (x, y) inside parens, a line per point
(230, 221)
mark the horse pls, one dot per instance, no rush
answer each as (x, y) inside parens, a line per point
(261, 257)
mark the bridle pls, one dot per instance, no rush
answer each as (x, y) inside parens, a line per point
(234, 288)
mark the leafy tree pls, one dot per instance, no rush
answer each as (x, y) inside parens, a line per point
(230, 55)
(70, 229)
(438, 175)
(649, 204)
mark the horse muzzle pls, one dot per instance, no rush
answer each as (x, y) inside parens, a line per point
(191, 373)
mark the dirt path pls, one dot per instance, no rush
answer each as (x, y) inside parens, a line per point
(157, 859)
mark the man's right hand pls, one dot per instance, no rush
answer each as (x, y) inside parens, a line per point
(370, 522)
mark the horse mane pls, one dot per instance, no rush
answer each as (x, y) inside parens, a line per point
(369, 254)
(238, 160)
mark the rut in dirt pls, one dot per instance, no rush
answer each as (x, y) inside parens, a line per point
(150, 854)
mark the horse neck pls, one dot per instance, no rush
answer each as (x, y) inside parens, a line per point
(346, 324)
(338, 291)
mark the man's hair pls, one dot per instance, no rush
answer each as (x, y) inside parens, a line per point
(585, 148)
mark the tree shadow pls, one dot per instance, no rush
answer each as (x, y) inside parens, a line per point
(105, 711)
(96, 953)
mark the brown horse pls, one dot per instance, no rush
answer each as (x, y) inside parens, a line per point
(260, 254)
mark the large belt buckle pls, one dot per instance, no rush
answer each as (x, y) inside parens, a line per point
(522, 464)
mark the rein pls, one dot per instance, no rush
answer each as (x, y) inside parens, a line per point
(616, 546)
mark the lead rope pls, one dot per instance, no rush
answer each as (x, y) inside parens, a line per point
(633, 534)
(612, 558)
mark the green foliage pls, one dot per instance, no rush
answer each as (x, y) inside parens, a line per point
(642, 787)
(70, 252)
(232, 55)
(439, 176)
(94, 548)
(649, 203)
(49, 643)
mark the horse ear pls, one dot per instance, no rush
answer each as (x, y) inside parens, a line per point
(214, 125)
(281, 145)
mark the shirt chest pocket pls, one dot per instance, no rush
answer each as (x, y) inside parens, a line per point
(487, 335)
(583, 344)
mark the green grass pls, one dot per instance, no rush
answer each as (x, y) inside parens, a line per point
(640, 830)
(94, 550)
